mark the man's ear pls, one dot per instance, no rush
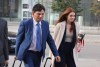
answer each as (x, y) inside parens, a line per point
(33, 12)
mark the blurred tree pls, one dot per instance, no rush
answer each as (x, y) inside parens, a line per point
(61, 5)
(95, 9)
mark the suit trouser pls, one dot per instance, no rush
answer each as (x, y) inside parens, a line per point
(32, 59)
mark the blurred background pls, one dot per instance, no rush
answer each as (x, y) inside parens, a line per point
(88, 18)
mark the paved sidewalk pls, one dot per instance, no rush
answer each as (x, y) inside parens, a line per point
(13, 26)
(88, 63)
(81, 62)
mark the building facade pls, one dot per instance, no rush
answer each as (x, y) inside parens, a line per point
(89, 19)
(17, 10)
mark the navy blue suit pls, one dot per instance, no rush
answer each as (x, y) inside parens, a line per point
(24, 38)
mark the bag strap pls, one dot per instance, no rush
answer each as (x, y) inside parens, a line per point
(14, 63)
(46, 61)
(6, 65)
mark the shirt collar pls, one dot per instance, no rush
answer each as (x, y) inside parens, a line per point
(35, 22)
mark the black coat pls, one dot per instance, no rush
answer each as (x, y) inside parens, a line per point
(3, 41)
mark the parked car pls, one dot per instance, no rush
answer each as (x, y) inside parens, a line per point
(11, 41)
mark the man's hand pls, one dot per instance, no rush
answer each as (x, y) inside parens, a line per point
(15, 58)
(58, 59)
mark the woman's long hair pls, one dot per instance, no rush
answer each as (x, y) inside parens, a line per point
(64, 15)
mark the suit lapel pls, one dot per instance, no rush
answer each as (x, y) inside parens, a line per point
(42, 27)
(31, 24)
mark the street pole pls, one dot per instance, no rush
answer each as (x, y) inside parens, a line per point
(10, 9)
(98, 19)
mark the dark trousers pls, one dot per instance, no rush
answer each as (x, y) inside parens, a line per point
(32, 59)
(66, 54)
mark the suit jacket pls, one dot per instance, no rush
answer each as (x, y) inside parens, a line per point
(3, 41)
(24, 38)
(58, 36)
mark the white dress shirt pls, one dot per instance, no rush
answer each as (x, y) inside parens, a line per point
(34, 39)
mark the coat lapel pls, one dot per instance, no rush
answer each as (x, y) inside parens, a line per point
(60, 36)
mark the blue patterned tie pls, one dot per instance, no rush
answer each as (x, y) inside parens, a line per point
(38, 42)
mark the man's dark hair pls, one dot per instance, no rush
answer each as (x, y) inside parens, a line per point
(38, 7)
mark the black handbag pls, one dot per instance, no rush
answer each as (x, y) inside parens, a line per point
(14, 63)
(81, 36)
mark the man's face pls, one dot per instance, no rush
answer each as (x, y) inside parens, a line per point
(38, 15)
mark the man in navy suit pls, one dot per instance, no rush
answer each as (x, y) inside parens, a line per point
(32, 37)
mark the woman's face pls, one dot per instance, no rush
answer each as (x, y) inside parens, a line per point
(71, 17)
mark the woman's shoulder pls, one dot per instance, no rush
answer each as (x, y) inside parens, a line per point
(61, 23)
